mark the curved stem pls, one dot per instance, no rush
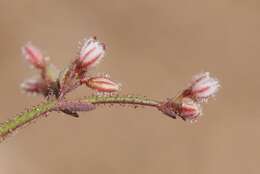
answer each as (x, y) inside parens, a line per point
(20, 120)
(124, 99)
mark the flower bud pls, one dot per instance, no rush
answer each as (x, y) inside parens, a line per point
(189, 110)
(185, 108)
(202, 87)
(91, 53)
(33, 86)
(34, 56)
(101, 84)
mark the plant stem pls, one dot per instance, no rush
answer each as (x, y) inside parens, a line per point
(18, 121)
(11, 125)
(124, 99)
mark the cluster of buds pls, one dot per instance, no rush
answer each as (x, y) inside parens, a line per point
(91, 53)
(38, 85)
(54, 85)
(187, 104)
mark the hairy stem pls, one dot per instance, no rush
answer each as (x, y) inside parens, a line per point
(6, 128)
(11, 125)
(124, 99)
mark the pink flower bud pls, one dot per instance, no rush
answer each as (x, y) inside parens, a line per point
(33, 56)
(189, 110)
(91, 53)
(186, 108)
(101, 84)
(33, 86)
(202, 87)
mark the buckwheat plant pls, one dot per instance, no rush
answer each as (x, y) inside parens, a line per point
(54, 85)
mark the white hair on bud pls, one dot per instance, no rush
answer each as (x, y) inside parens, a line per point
(91, 53)
(203, 86)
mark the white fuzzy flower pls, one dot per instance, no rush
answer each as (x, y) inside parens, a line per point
(91, 53)
(202, 87)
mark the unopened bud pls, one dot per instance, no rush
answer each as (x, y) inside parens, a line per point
(202, 87)
(91, 53)
(101, 84)
(186, 109)
(34, 56)
(33, 86)
(189, 110)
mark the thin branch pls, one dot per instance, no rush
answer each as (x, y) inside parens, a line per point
(124, 99)
(20, 120)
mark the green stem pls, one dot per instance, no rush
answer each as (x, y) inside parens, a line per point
(124, 99)
(11, 125)
(18, 121)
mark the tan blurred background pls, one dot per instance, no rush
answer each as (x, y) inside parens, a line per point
(154, 47)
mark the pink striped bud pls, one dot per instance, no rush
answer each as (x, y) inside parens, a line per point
(33, 86)
(189, 110)
(101, 84)
(186, 108)
(91, 53)
(202, 87)
(34, 56)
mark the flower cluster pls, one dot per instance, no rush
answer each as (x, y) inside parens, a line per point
(187, 105)
(41, 83)
(91, 53)
(52, 82)
(54, 85)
